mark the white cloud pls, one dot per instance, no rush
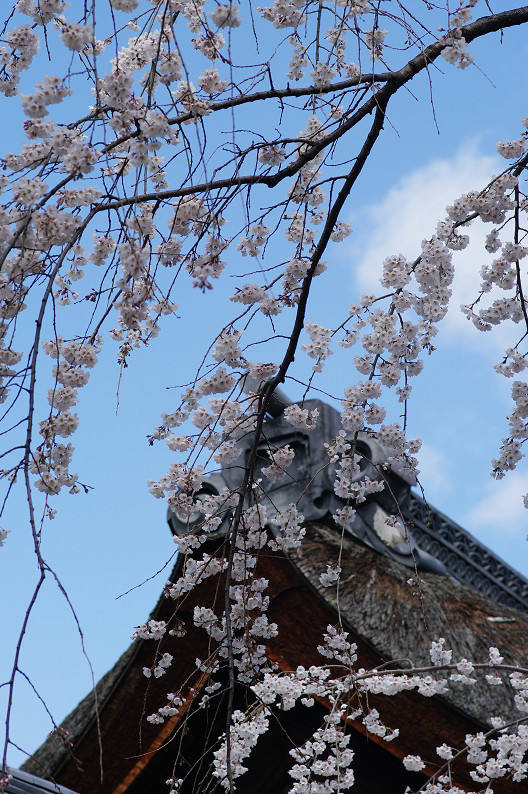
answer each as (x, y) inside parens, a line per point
(409, 213)
(434, 471)
(502, 510)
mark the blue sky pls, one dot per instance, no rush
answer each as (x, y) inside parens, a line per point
(104, 543)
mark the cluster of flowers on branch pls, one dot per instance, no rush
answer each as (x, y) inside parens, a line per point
(324, 762)
(145, 173)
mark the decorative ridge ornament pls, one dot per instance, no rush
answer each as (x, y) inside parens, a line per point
(309, 483)
(416, 534)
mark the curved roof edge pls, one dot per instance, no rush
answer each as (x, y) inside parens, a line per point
(24, 783)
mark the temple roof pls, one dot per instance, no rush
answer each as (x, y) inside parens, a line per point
(384, 613)
(395, 596)
(400, 613)
(23, 783)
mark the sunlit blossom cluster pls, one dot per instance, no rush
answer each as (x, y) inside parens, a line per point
(491, 756)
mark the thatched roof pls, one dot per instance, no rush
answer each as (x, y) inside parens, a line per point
(401, 619)
(386, 616)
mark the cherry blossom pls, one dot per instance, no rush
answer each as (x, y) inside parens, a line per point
(156, 189)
